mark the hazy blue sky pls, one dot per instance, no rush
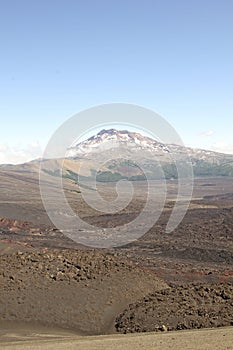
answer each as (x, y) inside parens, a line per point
(61, 56)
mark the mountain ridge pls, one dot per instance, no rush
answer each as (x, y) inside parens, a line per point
(127, 137)
(114, 154)
(130, 148)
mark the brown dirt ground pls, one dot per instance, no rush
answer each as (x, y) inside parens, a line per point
(81, 290)
(88, 290)
(214, 339)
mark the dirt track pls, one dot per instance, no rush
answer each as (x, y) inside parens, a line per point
(208, 339)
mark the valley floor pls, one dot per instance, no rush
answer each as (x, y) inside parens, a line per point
(208, 339)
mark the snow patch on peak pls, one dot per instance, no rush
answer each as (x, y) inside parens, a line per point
(112, 138)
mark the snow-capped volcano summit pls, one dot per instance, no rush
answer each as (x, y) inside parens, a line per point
(128, 142)
(117, 153)
(112, 138)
